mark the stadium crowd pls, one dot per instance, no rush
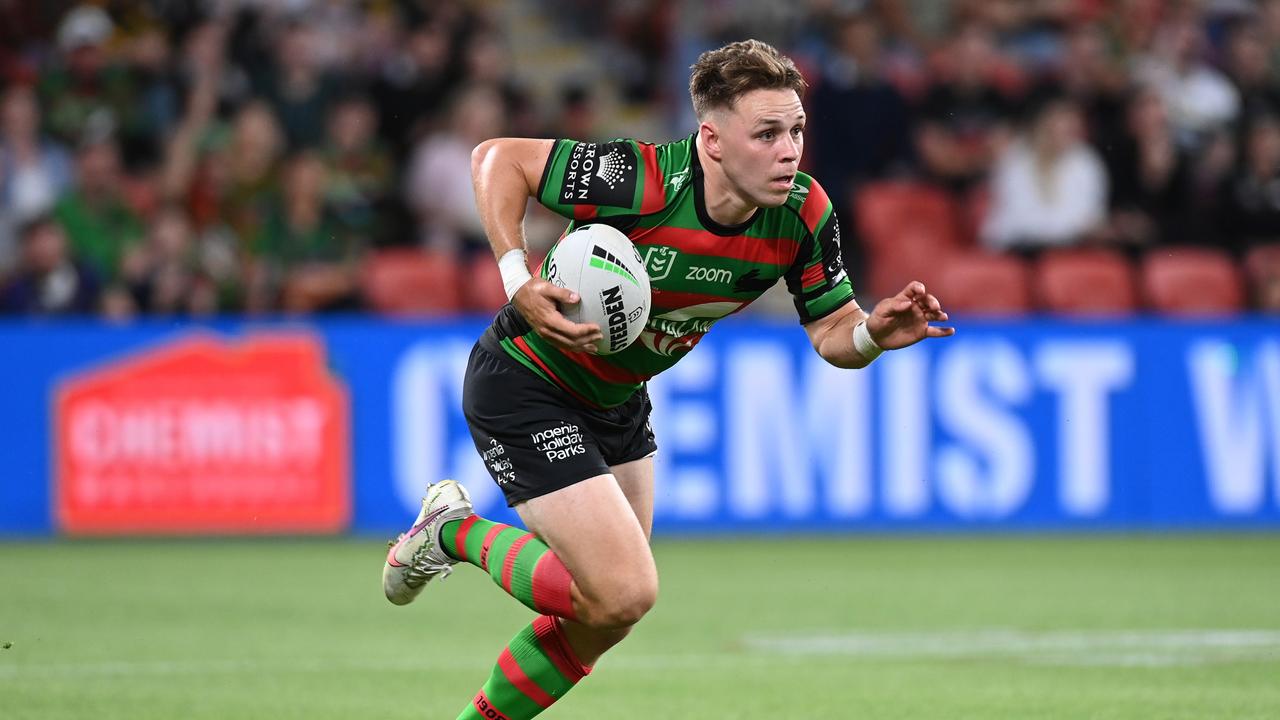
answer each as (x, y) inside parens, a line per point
(299, 156)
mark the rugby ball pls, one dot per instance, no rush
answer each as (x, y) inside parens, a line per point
(604, 268)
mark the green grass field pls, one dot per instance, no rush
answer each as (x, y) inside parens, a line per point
(936, 627)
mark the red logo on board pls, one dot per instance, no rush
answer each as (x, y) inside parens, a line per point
(205, 435)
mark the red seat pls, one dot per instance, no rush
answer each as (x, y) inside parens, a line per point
(885, 211)
(917, 255)
(908, 230)
(1262, 265)
(1191, 281)
(482, 289)
(408, 281)
(984, 284)
(973, 213)
(1083, 281)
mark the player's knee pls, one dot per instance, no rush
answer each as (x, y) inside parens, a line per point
(635, 605)
(625, 607)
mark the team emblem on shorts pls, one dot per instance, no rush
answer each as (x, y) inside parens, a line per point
(658, 260)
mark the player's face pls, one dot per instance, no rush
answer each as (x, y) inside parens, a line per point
(761, 141)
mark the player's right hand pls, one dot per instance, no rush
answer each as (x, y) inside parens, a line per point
(539, 302)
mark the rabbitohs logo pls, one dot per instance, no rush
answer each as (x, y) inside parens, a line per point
(677, 180)
(658, 260)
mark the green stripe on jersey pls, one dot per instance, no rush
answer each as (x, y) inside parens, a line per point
(830, 300)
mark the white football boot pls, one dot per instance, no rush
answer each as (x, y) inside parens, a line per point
(417, 556)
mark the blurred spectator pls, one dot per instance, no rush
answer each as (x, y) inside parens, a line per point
(409, 86)
(182, 112)
(203, 60)
(378, 39)
(638, 31)
(1249, 201)
(1049, 187)
(295, 86)
(910, 23)
(156, 87)
(903, 43)
(859, 120)
(336, 33)
(98, 222)
(1247, 68)
(164, 275)
(1151, 177)
(1132, 25)
(243, 174)
(860, 124)
(1090, 75)
(86, 92)
(438, 187)
(48, 281)
(964, 118)
(1028, 32)
(578, 116)
(488, 63)
(20, 24)
(34, 171)
(1269, 24)
(1199, 98)
(359, 168)
(303, 259)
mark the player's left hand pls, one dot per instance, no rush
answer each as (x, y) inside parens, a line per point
(904, 319)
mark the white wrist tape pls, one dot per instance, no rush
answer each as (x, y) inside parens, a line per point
(514, 266)
(864, 344)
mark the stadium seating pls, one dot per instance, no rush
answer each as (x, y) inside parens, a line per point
(482, 289)
(973, 212)
(1262, 265)
(886, 211)
(1191, 281)
(1085, 281)
(984, 284)
(908, 230)
(405, 281)
(918, 255)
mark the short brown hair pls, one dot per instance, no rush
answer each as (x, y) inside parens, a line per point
(721, 76)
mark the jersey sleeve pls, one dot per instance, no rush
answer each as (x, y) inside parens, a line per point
(584, 180)
(817, 279)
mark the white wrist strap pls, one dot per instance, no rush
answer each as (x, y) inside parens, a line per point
(864, 344)
(514, 266)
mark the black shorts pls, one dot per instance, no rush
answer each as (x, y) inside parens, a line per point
(534, 438)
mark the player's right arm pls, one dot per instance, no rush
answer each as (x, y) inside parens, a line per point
(505, 173)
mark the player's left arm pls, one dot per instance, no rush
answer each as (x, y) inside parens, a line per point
(824, 297)
(894, 323)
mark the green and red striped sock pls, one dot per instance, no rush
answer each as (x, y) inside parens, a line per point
(535, 669)
(518, 562)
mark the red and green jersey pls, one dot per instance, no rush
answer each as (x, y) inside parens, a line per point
(699, 270)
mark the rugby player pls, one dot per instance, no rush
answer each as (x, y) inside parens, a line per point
(719, 217)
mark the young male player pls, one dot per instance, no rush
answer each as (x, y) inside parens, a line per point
(719, 216)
